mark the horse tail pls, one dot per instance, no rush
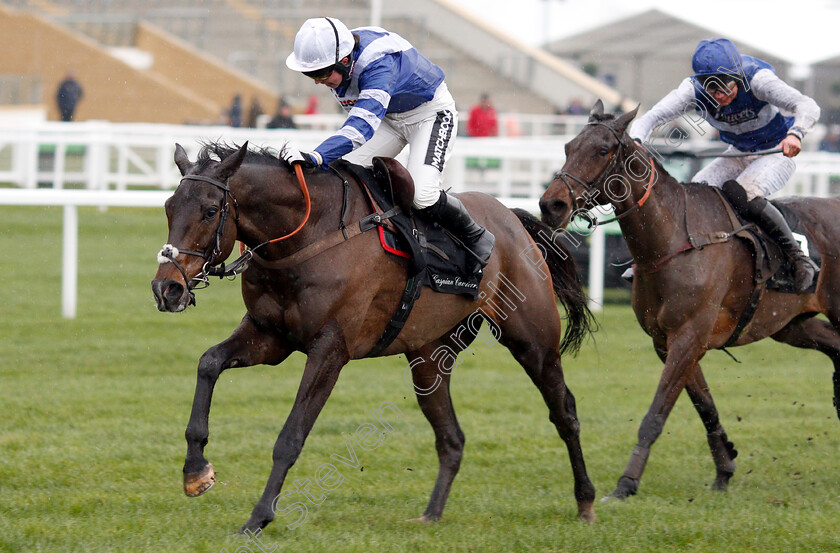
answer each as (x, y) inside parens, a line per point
(566, 280)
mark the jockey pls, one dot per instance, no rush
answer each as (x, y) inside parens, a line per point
(393, 96)
(743, 99)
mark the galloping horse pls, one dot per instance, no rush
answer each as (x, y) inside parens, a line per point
(691, 300)
(333, 303)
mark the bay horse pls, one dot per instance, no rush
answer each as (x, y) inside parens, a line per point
(691, 300)
(333, 303)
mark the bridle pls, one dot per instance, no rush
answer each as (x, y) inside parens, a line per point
(615, 156)
(169, 252)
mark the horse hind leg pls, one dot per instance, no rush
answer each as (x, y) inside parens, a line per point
(808, 332)
(543, 367)
(431, 386)
(723, 451)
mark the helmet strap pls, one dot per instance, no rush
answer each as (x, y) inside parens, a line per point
(335, 30)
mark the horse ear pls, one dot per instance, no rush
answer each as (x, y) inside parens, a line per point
(597, 110)
(181, 160)
(231, 163)
(622, 122)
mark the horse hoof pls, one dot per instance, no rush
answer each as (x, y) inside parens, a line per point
(197, 483)
(251, 527)
(424, 519)
(586, 513)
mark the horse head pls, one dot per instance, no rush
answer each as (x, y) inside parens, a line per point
(202, 216)
(592, 157)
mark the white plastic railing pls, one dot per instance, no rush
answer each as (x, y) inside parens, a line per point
(110, 160)
(102, 155)
(71, 200)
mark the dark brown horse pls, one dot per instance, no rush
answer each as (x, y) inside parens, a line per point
(690, 300)
(334, 305)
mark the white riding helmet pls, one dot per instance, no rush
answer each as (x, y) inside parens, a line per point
(320, 43)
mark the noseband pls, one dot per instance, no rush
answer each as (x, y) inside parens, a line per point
(620, 147)
(169, 252)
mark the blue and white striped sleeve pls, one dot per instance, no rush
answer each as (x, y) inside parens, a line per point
(375, 85)
(770, 88)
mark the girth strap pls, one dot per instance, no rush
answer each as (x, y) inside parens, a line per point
(759, 280)
(413, 287)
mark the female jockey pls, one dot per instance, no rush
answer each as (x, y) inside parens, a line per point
(741, 97)
(393, 96)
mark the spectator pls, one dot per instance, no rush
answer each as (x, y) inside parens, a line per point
(282, 117)
(254, 112)
(483, 120)
(68, 95)
(576, 107)
(235, 112)
(312, 105)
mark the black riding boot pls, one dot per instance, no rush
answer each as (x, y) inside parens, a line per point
(451, 214)
(771, 221)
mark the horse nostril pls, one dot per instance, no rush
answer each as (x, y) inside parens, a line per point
(544, 206)
(173, 292)
(553, 207)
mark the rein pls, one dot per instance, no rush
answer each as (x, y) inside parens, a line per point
(608, 171)
(169, 252)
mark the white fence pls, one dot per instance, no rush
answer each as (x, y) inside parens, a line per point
(121, 156)
(101, 155)
(110, 161)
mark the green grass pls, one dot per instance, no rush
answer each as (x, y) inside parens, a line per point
(93, 410)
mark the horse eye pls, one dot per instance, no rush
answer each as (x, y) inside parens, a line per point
(605, 151)
(211, 212)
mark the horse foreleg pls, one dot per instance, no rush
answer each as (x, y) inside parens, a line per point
(723, 451)
(326, 355)
(247, 346)
(813, 333)
(685, 350)
(431, 385)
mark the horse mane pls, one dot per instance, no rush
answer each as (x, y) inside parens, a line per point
(600, 118)
(214, 151)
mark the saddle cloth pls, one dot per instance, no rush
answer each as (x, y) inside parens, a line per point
(782, 278)
(433, 254)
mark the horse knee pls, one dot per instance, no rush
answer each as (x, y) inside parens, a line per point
(210, 366)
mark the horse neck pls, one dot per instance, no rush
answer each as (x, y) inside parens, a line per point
(272, 205)
(657, 227)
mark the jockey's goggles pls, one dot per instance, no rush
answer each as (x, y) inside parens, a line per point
(320, 74)
(713, 84)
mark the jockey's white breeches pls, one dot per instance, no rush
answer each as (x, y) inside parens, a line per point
(429, 130)
(760, 176)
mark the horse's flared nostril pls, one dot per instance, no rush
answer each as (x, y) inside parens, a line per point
(168, 294)
(173, 292)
